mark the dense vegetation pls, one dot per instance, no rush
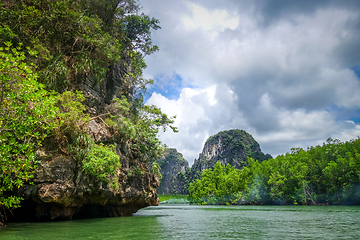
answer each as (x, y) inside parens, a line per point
(172, 198)
(327, 174)
(174, 171)
(46, 49)
(171, 155)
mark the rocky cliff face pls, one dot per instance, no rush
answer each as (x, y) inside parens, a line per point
(61, 190)
(173, 170)
(229, 147)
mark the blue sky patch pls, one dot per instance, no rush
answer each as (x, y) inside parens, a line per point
(356, 71)
(168, 86)
(344, 114)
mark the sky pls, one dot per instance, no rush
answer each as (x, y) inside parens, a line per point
(287, 72)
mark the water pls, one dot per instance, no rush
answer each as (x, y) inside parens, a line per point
(204, 222)
(176, 201)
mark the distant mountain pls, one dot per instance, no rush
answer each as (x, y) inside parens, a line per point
(231, 146)
(173, 169)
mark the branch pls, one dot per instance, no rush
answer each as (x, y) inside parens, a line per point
(8, 130)
(104, 122)
(99, 116)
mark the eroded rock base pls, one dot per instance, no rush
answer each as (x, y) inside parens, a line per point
(61, 191)
(35, 212)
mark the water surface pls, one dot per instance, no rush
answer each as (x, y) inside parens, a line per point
(204, 222)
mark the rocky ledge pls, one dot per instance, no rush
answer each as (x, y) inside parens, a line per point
(60, 190)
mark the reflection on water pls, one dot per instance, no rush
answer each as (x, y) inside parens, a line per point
(144, 227)
(204, 222)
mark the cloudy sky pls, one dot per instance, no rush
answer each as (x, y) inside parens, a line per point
(287, 72)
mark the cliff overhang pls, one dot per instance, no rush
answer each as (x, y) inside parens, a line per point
(60, 190)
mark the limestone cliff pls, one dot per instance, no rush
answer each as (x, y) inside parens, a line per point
(173, 170)
(229, 147)
(61, 190)
(73, 73)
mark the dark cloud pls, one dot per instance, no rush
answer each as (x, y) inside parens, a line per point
(349, 51)
(276, 10)
(285, 71)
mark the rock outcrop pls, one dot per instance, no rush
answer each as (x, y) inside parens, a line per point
(229, 147)
(173, 170)
(61, 190)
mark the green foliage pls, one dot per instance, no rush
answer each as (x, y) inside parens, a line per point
(175, 180)
(102, 162)
(68, 50)
(166, 197)
(27, 115)
(139, 130)
(155, 169)
(77, 39)
(327, 174)
(70, 132)
(171, 155)
(218, 186)
(137, 29)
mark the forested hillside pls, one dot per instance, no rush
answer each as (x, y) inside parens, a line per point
(327, 174)
(232, 147)
(174, 170)
(71, 88)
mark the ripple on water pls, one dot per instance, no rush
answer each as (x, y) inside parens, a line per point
(204, 222)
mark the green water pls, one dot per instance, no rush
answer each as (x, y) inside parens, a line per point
(204, 222)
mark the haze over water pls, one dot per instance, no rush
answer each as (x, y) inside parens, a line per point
(203, 222)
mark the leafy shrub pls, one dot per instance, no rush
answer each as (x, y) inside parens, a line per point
(27, 115)
(155, 169)
(138, 126)
(101, 161)
(220, 185)
(70, 130)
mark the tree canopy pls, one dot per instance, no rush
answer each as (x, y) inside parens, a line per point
(327, 174)
(77, 39)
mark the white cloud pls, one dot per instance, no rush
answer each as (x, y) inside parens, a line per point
(283, 73)
(202, 18)
(198, 118)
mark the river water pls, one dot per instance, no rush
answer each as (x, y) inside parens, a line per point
(203, 222)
